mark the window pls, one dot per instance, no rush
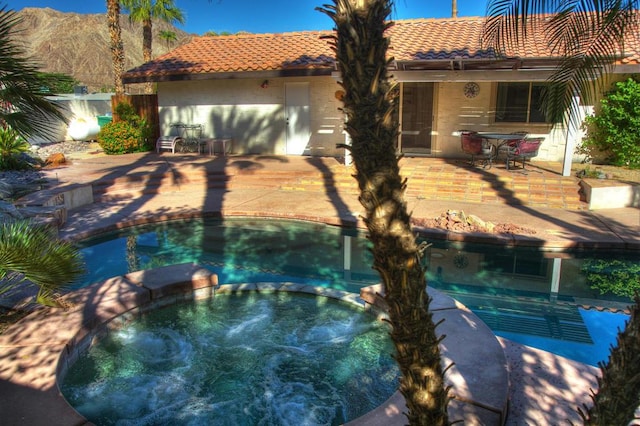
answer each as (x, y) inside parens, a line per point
(519, 103)
(517, 265)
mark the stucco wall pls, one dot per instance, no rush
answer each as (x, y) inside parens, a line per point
(255, 117)
(252, 115)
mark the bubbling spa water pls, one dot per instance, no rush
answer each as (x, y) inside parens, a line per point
(238, 359)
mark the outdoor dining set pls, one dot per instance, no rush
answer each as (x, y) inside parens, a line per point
(488, 146)
(188, 138)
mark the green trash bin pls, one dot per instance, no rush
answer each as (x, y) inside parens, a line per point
(104, 119)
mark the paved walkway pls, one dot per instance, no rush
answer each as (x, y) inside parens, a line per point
(545, 389)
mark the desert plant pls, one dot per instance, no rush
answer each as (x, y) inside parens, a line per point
(126, 112)
(13, 151)
(33, 255)
(122, 138)
(129, 134)
(614, 130)
(57, 82)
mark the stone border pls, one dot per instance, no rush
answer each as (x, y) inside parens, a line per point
(41, 347)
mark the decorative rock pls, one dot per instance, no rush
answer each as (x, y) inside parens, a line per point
(9, 211)
(56, 159)
(474, 220)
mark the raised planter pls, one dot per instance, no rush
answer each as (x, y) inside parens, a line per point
(609, 194)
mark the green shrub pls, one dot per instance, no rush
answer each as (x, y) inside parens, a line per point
(614, 131)
(619, 277)
(131, 134)
(13, 151)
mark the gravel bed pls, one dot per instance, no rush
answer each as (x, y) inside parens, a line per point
(27, 177)
(67, 147)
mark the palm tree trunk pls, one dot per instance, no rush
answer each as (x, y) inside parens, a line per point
(370, 106)
(117, 49)
(616, 400)
(147, 52)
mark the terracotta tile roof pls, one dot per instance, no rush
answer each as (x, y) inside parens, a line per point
(412, 41)
(243, 53)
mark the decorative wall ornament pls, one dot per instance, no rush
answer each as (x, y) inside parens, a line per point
(460, 261)
(471, 90)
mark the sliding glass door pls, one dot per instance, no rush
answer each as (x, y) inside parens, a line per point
(417, 118)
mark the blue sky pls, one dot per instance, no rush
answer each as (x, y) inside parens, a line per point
(262, 16)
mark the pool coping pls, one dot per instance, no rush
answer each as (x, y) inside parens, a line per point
(40, 348)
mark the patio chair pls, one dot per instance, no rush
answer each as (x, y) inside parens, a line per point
(169, 141)
(522, 150)
(476, 146)
(192, 134)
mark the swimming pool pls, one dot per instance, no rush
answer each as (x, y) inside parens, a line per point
(538, 298)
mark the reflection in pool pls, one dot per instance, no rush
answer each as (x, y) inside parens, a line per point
(535, 297)
(242, 359)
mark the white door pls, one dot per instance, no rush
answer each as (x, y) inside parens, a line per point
(297, 115)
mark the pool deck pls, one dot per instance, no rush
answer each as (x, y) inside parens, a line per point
(544, 389)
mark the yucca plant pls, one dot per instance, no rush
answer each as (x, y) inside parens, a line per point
(12, 151)
(33, 255)
(370, 106)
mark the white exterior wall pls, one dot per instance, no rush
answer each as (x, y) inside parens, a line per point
(253, 116)
(83, 108)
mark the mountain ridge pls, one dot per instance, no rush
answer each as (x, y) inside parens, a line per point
(78, 44)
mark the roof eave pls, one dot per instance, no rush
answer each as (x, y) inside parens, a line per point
(484, 63)
(130, 78)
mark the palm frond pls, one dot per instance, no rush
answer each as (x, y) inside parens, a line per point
(33, 253)
(588, 35)
(22, 105)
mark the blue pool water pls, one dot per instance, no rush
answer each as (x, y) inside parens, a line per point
(246, 359)
(542, 299)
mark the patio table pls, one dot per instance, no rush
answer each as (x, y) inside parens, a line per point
(210, 144)
(500, 139)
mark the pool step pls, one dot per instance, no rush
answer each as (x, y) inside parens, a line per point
(548, 327)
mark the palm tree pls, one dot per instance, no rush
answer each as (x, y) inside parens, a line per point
(590, 37)
(370, 106)
(32, 254)
(168, 37)
(23, 106)
(117, 49)
(144, 11)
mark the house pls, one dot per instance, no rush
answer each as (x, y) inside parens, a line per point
(279, 93)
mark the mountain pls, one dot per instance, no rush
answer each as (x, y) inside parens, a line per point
(78, 44)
